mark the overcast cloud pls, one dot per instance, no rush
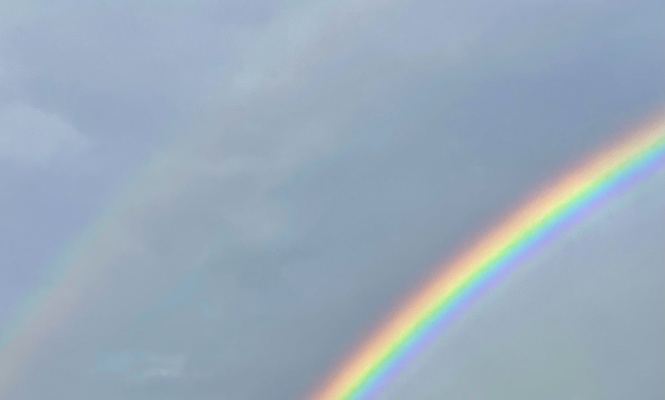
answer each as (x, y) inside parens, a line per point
(237, 191)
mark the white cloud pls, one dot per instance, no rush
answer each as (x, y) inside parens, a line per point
(160, 366)
(30, 136)
(141, 367)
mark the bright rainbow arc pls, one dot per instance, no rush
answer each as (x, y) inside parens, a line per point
(539, 220)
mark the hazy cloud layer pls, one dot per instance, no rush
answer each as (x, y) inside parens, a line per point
(33, 137)
(301, 166)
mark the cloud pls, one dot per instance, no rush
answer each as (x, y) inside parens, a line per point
(32, 137)
(159, 366)
(140, 367)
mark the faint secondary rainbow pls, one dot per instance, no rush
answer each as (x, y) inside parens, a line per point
(540, 219)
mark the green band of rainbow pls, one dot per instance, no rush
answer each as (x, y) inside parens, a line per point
(549, 213)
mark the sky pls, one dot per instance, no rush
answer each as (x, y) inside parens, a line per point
(219, 200)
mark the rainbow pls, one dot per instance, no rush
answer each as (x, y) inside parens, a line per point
(540, 219)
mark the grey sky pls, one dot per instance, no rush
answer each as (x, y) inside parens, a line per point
(273, 177)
